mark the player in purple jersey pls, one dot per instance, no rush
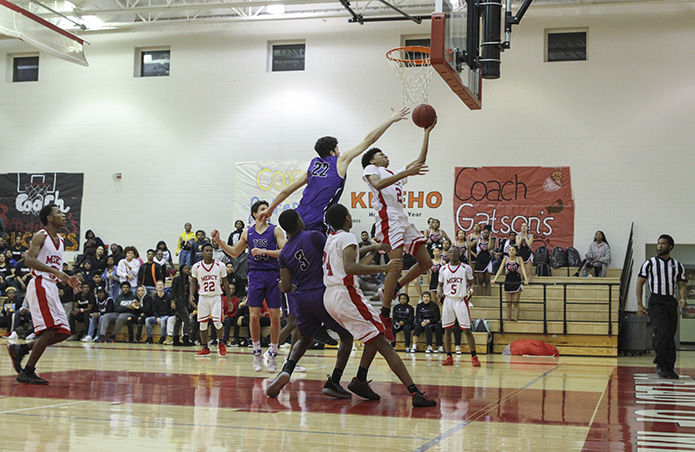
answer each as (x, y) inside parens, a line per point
(264, 242)
(302, 280)
(325, 177)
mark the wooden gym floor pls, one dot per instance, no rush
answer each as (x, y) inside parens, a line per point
(122, 397)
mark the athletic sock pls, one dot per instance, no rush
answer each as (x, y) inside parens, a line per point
(362, 374)
(337, 375)
(473, 353)
(289, 366)
(29, 369)
(273, 349)
(413, 388)
(398, 287)
(256, 346)
(448, 354)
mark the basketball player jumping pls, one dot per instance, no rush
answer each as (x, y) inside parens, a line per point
(392, 226)
(346, 303)
(45, 258)
(264, 242)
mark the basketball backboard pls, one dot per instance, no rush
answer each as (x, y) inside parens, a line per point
(454, 49)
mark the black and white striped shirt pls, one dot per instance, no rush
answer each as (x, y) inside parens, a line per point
(663, 276)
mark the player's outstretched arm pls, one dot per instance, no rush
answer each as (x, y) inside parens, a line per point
(414, 169)
(283, 195)
(425, 144)
(371, 138)
(352, 267)
(235, 250)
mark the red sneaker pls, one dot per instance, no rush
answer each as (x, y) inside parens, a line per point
(475, 361)
(221, 349)
(203, 353)
(449, 361)
(388, 330)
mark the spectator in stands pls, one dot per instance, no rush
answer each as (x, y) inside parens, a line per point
(99, 260)
(437, 263)
(98, 281)
(3, 234)
(22, 275)
(229, 312)
(104, 305)
(403, 319)
(161, 311)
(427, 319)
(218, 254)
(8, 308)
(598, 258)
(234, 280)
(8, 257)
(184, 244)
(144, 302)
(502, 250)
(435, 236)
(117, 253)
(89, 235)
(113, 282)
(6, 269)
(483, 260)
(241, 262)
(163, 257)
(128, 268)
(515, 273)
(364, 236)
(67, 295)
(82, 305)
(446, 246)
(197, 246)
(18, 249)
(473, 238)
(21, 323)
(461, 243)
(180, 291)
(88, 272)
(126, 309)
(524, 241)
(243, 317)
(149, 273)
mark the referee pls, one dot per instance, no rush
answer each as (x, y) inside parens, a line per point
(663, 273)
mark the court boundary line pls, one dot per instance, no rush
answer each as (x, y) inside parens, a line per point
(442, 436)
(44, 406)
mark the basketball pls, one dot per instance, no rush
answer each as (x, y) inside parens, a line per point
(424, 115)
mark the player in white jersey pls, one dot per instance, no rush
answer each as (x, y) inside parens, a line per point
(346, 303)
(392, 226)
(454, 289)
(45, 258)
(209, 276)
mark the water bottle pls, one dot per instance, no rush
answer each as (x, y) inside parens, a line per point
(584, 273)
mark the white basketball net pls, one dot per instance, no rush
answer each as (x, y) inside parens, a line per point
(412, 64)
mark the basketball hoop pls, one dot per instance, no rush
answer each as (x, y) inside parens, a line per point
(412, 64)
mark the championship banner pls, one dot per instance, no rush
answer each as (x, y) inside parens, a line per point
(505, 197)
(264, 180)
(23, 195)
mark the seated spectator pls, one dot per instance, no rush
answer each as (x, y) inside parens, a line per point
(8, 309)
(6, 269)
(243, 320)
(82, 305)
(235, 280)
(403, 319)
(67, 270)
(22, 275)
(67, 295)
(88, 272)
(104, 305)
(3, 242)
(364, 236)
(165, 260)
(161, 311)
(128, 268)
(18, 249)
(113, 282)
(126, 310)
(89, 235)
(99, 260)
(598, 258)
(9, 258)
(97, 282)
(229, 312)
(149, 273)
(427, 319)
(21, 325)
(144, 302)
(218, 254)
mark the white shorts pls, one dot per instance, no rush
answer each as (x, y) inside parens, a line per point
(453, 309)
(397, 231)
(47, 312)
(210, 307)
(352, 311)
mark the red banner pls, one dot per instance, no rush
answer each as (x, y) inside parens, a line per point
(505, 197)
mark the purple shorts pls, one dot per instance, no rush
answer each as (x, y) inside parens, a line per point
(264, 286)
(307, 307)
(313, 219)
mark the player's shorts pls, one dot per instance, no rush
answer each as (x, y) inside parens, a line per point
(47, 312)
(456, 309)
(313, 219)
(307, 306)
(395, 229)
(264, 286)
(352, 311)
(210, 308)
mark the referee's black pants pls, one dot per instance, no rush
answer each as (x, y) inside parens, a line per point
(663, 312)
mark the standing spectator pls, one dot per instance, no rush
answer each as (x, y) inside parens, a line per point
(446, 247)
(162, 256)
(403, 318)
(598, 258)
(149, 273)
(514, 272)
(524, 240)
(113, 282)
(161, 311)
(128, 268)
(116, 253)
(437, 263)
(197, 247)
(427, 319)
(483, 260)
(462, 244)
(241, 262)
(473, 238)
(664, 275)
(183, 246)
(435, 236)
(180, 292)
(82, 305)
(218, 254)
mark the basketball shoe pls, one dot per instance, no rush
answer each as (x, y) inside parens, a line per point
(276, 386)
(475, 361)
(449, 361)
(31, 378)
(333, 389)
(221, 349)
(203, 353)
(257, 361)
(363, 389)
(421, 399)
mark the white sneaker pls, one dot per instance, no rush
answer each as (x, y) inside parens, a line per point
(14, 335)
(439, 350)
(258, 362)
(266, 357)
(87, 338)
(299, 369)
(429, 349)
(31, 337)
(413, 349)
(458, 350)
(271, 362)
